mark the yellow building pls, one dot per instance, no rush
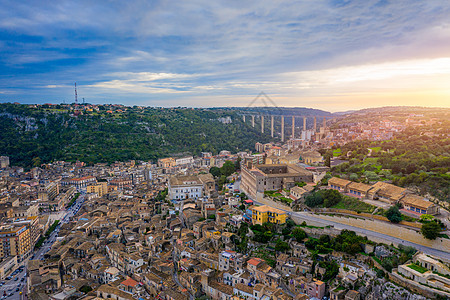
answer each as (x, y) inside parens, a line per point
(209, 234)
(166, 162)
(16, 241)
(100, 188)
(264, 213)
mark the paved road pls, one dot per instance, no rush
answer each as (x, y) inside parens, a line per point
(10, 286)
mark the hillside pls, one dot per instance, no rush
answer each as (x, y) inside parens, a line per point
(32, 135)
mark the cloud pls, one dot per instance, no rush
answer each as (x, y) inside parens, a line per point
(144, 82)
(154, 49)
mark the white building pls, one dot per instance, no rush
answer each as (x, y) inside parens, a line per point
(190, 187)
(226, 260)
(184, 161)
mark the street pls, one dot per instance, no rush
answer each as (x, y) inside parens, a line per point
(15, 283)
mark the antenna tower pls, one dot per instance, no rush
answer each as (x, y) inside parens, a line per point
(76, 95)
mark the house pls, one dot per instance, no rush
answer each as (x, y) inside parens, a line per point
(359, 190)
(129, 285)
(316, 288)
(386, 192)
(299, 249)
(339, 184)
(419, 204)
(338, 293)
(264, 213)
(253, 263)
(297, 192)
(311, 157)
(427, 270)
(352, 295)
(110, 274)
(226, 260)
(106, 291)
(243, 291)
(214, 289)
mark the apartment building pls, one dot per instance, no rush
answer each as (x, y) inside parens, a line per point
(48, 191)
(100, 188)
(15, 240)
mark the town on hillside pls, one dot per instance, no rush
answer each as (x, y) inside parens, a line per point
(327, 215)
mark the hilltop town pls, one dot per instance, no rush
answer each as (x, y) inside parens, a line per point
(285, 221)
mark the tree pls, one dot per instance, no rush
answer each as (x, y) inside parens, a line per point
(281, 246)
(314, 199)
(228, 168)
(331, 198)
(353, 177)
(299, 234)
(371, 176)
(426, 218)
(286, 231)
(243, 230)
(215, 171)
(237, 164)
(331, 269)
(393, 214)
(85, 289)
(431, 230)
(36, 162)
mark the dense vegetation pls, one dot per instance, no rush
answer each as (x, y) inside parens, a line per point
(347, 241)
(411, 159)
(32, 136)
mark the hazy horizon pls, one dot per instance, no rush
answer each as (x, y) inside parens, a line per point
(329, 55)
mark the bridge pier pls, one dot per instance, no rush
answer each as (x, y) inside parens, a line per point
(271, 126)
(262, 124)
(293, 127)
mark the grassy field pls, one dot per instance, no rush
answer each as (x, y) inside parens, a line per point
(417, 268)
(354, 204)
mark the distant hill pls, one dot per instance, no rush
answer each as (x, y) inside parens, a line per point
(286, 111)
(398, 113)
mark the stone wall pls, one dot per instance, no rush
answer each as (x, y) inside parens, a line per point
(415, 287)
(370, 216)
(317, 232)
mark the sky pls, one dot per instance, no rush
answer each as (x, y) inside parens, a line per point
(334, 55)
